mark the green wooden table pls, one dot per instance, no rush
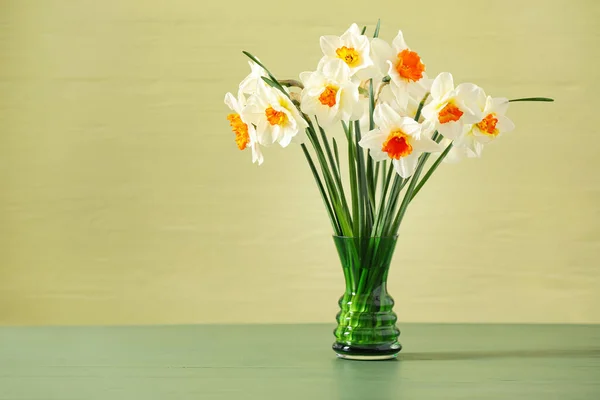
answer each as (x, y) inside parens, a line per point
(295, 362)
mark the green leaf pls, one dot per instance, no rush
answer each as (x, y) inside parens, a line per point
(376, 34)
(337, 155)
(353, 178)
(270, 82)
(364, 29)
(431, 171)
(421, 104)
(335, 171)
(544, 99)
(334, 222)
(250, 56)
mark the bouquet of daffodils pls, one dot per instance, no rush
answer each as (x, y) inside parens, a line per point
(395, 119)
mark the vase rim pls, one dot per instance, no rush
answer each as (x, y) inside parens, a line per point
(366, 237)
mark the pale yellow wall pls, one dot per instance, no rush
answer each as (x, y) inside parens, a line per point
(123, 199)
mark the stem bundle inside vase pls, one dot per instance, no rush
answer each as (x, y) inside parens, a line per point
(398, 127)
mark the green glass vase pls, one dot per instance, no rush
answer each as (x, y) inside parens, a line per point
(366, 327)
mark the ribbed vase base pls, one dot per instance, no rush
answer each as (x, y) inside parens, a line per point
(367, 353)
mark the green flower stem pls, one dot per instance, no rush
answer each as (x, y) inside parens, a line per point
(376, 181)
(376, 34)
(336, 173)
(544, 99)
(381, 210)
(391, 203)
(332, 217)
(385, 180)
(371, 179)
(362, 180)
(431, 170)
(353, 178)
(409, 192)
(334, 196)
(337, 156)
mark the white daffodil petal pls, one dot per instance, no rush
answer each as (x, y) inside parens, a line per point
(352, 31)
(329, 44)
(372, 139)
(451, 130)
(426, 145)
(469, 93)
(499, 105)
(410, 127)
(232, 103)
(398, 43)
(406, 166)
(257, 155)
(286, 140)
(442, 84)
(336, 69)
(381, 52)
(385, 117)
(504, 124)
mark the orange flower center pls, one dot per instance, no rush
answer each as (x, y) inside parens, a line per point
(327, 97)
(275, 117)
(349, 55)
(449, 113)
(240, 129)
(397, 145)
(488, 125)
(409, 65)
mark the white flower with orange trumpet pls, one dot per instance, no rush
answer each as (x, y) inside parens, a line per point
(329, 94)
(275, 116)
(389, 109)
(250, 83)
(493, 123)
(452, 108)
(398, 139)
(403, 65)
(352, 48)
(245, 133)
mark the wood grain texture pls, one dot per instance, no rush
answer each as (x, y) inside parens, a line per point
(487, 362)
(124, 200)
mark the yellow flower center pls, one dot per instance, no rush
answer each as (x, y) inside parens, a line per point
(397, 145)
(449, 113)
(349, 55)
(275, 117)
(327, 97)
(488, 125)
(240, 129)
(409, 65)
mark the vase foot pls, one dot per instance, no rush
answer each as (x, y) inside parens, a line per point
(367, 358)
(385, 351)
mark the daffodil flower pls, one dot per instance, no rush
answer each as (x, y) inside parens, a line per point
(397, 138)
(352, 48)
(404, 67)
(452, 108)
(329, 94)
(456, 154)
(492, 123)
(251, 82)
(275, 116)
(245, 133)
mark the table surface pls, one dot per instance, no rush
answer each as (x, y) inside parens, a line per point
(296, 362)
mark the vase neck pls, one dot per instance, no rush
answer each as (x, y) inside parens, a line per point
(365, 262)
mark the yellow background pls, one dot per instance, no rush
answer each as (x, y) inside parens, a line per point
(124, 200)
